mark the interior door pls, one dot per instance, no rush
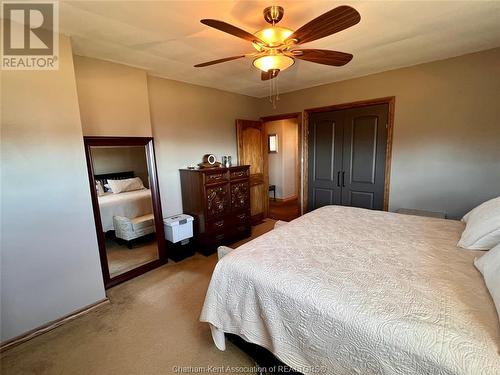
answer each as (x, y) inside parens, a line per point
(252, 151)
(365, 141)
(346, 157)
(324, 159)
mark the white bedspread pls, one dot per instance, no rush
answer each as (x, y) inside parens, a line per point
(364, 292)
(129, 204)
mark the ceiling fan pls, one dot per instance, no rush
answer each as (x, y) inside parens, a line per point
(277, 46)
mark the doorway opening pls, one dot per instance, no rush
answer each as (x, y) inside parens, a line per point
(283, 147)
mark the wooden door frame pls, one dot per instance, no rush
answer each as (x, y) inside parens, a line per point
(265, 168)
(391, 102)
(148, 143)
(300, 156)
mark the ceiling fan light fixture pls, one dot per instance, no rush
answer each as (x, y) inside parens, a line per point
(272, 62)
(273, 36)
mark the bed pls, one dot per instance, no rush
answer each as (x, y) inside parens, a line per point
(128, 204)
(344, 290)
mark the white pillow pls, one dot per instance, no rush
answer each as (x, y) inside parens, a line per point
(489, 266)
(127, 184)
(482, 229)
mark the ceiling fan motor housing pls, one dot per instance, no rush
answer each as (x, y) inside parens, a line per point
(273, 14)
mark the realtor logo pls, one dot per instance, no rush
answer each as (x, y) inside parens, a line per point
(30, 39)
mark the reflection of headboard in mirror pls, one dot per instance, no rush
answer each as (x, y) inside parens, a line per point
(113, 176)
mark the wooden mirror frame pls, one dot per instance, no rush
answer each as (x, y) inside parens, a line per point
(147, 143)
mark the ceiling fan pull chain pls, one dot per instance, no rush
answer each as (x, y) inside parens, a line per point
(277, 89)
(275, 97)
(271, 90)
(274, 93)
(271, 97)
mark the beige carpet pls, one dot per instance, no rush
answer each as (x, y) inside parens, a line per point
(150, 326)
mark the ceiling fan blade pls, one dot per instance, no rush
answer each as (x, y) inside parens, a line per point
(270, 74)
(233, 30)
(218, 61)
(323, 56)
(329, 23)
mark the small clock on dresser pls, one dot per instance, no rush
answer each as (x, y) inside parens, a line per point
(209, 161)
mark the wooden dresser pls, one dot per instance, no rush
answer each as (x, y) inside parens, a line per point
(219, 200)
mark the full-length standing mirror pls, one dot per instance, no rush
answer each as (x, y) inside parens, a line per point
(127, 208)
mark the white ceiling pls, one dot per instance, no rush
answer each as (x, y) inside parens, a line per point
(166, 38)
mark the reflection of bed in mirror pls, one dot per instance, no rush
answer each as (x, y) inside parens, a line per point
(129, 204)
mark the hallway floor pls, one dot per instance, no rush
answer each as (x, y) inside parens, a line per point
(286, 211)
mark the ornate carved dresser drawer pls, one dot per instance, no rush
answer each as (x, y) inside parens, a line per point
(219, 200)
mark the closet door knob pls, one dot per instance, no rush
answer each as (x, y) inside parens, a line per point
(338, 178)
(343, 178)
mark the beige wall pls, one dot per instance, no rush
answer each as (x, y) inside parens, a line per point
(290, 154)
(121, 159)
(189, 121)
(113, 98)
(446, 153)
(282, 165)
(50, 261)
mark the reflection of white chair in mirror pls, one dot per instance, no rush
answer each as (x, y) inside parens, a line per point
(131, 229)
